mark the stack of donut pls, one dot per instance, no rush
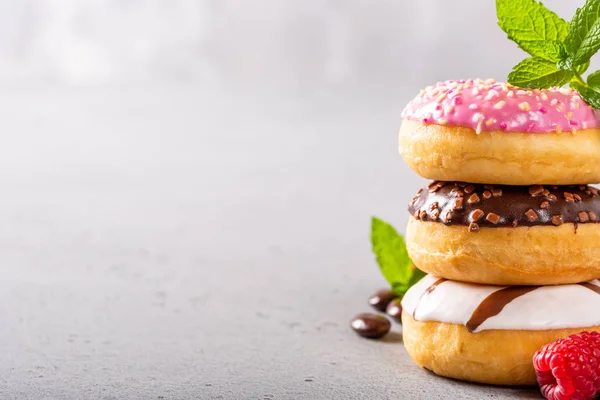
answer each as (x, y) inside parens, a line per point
(508, 230)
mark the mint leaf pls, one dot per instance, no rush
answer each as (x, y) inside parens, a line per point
(392, 257)
(593, 80)
(535, 73)
(581, 68)
(583, 40)
(590, 95)
(534, 28)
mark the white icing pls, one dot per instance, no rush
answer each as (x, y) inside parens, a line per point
(547, 307)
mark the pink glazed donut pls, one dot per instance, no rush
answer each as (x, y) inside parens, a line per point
(491, 132)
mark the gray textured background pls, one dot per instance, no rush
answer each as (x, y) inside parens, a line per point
(187, 188)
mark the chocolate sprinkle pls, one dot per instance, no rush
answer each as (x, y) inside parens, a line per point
(531, 215)
(535, 190)
(493, 218)
(516, 207)
(473, 199)
(474, 227)
(476, 215)
(569, 197)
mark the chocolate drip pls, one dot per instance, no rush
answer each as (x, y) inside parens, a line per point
(428, 291)
(591, 286)
(476, 205)
(495, 303)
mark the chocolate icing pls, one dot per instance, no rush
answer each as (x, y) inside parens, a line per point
(495, 303)
(591, 286)
(475, 205)
(428, 291)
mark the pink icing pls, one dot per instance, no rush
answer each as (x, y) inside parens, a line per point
(490, 105)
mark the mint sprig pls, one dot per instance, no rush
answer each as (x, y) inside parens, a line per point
(392, 257)
(583, 40)
(537, 30)
(537, 72)
(560, 51)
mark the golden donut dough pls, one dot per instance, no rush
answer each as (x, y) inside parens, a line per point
(497, 357)
(537, 255)
(451, 153)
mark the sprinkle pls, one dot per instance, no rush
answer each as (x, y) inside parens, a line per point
(490, 81)
(490, 121)
(441, 97)
(475, 91)
(569, 115)
(503, 125)
(573, 123)
(473, 106)
(542, 110)
(524, 106)
(544, 96)
(458, 203)
(499, 104)
(564, 90)
(478, 117)
(529, 93)
(491, 94)
(473, 199)
(553, 102)
(558, 129)
(493, 218)
(476, 215)
(510, 94)
(531, 215)
(521, 92)
(569, 197)
(457, 100)
(535, 190)
(442, 121)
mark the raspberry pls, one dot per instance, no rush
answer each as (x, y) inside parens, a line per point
(569, 369)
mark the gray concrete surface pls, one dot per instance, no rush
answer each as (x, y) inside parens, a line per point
(182, 243)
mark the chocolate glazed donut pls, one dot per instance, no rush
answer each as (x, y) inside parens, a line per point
(506, 235)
